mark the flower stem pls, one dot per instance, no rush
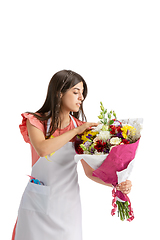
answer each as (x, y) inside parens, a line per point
(123, 210)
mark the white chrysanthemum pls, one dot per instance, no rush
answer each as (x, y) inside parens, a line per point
(115, 141)
(104, 135)
(98, 153)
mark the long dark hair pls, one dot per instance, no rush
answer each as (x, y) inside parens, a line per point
(59, 84)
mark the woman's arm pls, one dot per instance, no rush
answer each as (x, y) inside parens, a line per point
(46, 146)
(88, 171)
(124, 187)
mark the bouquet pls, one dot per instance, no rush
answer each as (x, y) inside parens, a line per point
(110, 150)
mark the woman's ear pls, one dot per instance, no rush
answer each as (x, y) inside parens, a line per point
(59, 95)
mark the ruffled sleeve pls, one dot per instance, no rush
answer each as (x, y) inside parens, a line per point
(34, 121)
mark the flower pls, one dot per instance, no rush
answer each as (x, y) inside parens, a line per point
(117, 123)
(87, 144)
(128, 130)
(98, 153)
(109, 133)
(100, 146)
(103, 135)
(98, 128)
(88, 135)
(125, 141)
(79, 150)
(119, 135)
(105, 128)
(92, 150)
(115, 129)
(115, 141)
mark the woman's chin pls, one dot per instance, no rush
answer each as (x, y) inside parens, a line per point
(75, 110)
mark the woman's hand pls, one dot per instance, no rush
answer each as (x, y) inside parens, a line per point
(124, 187)
(85, 126)
(45, 146)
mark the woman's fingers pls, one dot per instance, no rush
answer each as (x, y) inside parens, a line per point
(124, 187)
(85, 126)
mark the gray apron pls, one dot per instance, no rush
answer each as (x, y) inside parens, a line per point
(52, 211)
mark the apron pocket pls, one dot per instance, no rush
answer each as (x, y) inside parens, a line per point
(35, 198)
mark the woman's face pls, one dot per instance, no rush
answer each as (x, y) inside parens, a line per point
(72, 99)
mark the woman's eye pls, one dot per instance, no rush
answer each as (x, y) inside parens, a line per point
(75, 92)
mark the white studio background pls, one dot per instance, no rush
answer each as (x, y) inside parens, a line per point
(115, 46)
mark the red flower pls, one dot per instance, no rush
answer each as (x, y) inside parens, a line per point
(125, 141)
(100, 146)
(79, 150)
(113, 129)
(77, 143)
(118, 129)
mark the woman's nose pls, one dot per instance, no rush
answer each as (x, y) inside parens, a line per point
(81, 96)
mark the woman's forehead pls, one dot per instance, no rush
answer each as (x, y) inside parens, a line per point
(78, 86)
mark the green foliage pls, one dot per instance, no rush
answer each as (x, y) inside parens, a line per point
(106, 120)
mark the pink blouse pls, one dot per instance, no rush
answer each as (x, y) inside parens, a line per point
(38, 124)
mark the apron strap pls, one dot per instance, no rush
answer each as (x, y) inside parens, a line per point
(75, 125)
(48, 125)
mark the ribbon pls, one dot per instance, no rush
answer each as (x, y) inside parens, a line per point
(131, 214)
(113, 211)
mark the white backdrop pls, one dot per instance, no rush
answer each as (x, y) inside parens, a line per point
(115, 46)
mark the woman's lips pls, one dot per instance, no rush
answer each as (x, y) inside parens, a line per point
(78, 104)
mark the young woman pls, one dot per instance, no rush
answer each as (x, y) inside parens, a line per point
(52, 210)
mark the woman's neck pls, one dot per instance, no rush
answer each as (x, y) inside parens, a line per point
(65, 120)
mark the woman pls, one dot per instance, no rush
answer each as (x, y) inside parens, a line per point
(52, 210)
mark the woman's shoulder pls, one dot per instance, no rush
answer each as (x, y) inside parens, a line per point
(78, 122)
(33, 120)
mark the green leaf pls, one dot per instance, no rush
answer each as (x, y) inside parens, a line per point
(111, 122)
